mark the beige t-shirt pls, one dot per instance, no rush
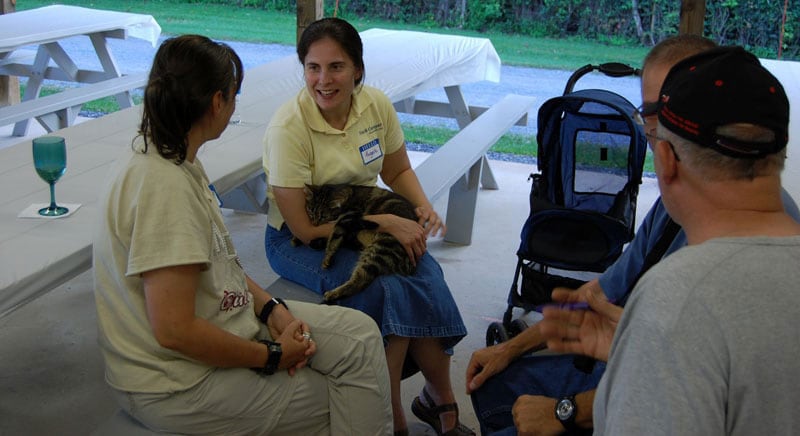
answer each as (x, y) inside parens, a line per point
(158, 214)
(300, 147)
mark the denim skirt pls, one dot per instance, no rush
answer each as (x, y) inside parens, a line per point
(419, 305)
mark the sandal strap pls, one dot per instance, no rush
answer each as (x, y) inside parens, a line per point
(439, 409)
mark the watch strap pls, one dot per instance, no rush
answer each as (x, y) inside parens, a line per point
(267, 309)
(273, 358)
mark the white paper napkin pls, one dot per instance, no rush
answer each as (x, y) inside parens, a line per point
(32, 211)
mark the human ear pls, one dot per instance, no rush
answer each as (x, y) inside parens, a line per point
(217, 102)
(665, 160)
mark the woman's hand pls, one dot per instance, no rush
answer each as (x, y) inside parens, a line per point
(279, 320)
(297, 347)
(430, 221)
(409, 233)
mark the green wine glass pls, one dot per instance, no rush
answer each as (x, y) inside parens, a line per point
(50, 161)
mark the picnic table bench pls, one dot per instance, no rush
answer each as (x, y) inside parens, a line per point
(59, 110)
(45, 29)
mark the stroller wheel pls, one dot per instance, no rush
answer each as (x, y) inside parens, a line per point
(495, 334)
(516, 327)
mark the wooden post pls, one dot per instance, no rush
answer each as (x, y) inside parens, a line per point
(308, 11)
(9, 85)
(693, 14)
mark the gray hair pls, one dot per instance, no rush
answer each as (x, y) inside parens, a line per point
(715, 166)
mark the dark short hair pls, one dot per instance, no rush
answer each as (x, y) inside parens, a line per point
(338, 30)
(187, 71)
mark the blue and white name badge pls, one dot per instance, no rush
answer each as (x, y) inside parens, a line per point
(214, 190)
(370, 151)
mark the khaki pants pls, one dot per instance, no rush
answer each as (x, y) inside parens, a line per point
(344, 391)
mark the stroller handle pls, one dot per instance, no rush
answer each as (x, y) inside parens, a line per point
(610, 69)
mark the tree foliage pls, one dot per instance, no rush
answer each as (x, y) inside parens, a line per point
(754, 24)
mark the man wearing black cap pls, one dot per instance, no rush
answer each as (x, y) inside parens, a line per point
(513, 390)
(708, 341)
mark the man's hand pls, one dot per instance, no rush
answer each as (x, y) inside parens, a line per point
(534, 415)
(485, 363)
(588, 332)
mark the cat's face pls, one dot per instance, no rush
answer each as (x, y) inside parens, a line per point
(324, 203)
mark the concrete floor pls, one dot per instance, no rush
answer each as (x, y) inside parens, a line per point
(51, 371)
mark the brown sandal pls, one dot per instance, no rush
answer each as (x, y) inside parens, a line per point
(430, 415)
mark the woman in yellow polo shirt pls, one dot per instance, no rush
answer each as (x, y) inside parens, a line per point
(191, 344)
(338, 130)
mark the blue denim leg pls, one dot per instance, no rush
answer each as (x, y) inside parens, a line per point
(419, 305)
(552, 376)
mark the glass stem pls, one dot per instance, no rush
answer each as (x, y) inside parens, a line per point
(52, 196)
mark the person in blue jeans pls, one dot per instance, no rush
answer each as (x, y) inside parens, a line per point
(707, 342)
(516, 391)
(338, 130)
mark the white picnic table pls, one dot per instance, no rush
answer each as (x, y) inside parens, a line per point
(43, 29)
(40, 254)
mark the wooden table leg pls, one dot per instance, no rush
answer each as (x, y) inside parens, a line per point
(9, 85)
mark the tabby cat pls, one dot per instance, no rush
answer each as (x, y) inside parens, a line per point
(381, 253)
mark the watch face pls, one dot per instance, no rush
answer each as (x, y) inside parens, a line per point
(565, 409)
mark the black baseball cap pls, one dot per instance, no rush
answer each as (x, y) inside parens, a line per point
(722, 86)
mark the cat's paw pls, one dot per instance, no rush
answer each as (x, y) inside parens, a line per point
(330, 297)
(318, 244)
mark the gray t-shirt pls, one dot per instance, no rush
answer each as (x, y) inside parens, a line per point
(708, 344)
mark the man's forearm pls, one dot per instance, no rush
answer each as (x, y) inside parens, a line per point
(528, 340)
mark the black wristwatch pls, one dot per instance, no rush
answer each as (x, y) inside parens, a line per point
(274, 358)
(267, 309)
(566, 411)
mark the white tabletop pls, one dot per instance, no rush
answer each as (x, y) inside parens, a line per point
(788, 73)
(40, 254)
(400, 63)
(53, 23)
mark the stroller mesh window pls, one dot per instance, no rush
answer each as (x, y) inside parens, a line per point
(601, 162)
(590, 155)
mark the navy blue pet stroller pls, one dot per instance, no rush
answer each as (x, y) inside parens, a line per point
(583, 200)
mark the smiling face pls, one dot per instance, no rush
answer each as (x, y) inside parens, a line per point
(331, 77)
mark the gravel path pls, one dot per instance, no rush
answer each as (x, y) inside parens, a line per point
(135, 55)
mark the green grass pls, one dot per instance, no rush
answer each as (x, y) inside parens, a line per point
(255, 25)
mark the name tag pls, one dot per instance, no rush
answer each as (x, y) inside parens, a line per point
(370, 151)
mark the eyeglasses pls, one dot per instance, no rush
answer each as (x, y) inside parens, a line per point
(651, 135)
(647, 109)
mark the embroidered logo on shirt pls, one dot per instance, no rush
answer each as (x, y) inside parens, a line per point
(371, 129)
(370, 151)
(232, 300)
